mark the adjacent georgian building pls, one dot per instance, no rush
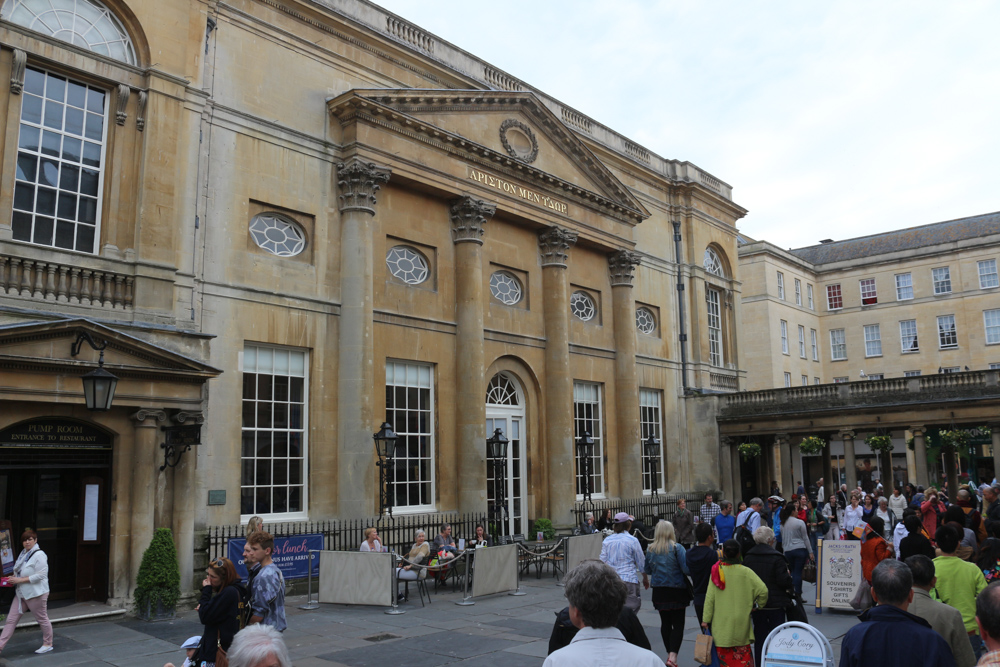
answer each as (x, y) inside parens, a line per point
(287, 222)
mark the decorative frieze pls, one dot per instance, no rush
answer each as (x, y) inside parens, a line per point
(622, 266)
(19, 60)
(140, 112)
(554, 244)
(468, 218)
(358, 182)
(121, 115)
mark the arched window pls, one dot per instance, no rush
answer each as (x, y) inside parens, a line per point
(502, 391)
(84, 23)
(713, 263)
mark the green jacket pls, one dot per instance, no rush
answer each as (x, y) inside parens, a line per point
(728, 611)
(958, 584)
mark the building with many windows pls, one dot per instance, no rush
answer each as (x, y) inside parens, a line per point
(368, 224)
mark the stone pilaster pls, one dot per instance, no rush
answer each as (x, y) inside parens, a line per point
(735, 465)
(554, 244)
(628, 458)
(920, 454)
(357, 182)
(468, 218)
(797, 475)
(184, 505)
(850, 466)
(145, 468)
(785, 472)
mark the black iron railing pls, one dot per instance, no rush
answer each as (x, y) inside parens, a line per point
(648, 509)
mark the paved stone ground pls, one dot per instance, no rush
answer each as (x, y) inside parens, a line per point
(498, 630)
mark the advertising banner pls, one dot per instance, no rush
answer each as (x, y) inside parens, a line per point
(291, 555)
(839, 573)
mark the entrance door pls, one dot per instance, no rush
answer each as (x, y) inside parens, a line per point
(505, 410)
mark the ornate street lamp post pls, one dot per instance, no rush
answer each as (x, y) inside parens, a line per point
(385, 448)
(98, 385)
(496, 449)
(585, 451)
(652, 447)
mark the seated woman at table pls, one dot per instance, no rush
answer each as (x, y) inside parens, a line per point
(589, 526)
(416, 557)
(481, 539)
(371, 542)
(606, 522)
(444, 543)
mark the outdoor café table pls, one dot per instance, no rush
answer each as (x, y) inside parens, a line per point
(538, 553)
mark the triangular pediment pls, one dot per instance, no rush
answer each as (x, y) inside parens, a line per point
(48, 347)
(511, 129)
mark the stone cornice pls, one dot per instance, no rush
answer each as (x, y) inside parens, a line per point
(468, 218)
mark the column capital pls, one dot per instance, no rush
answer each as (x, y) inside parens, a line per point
(919, 430)
(782, 439)
(622, 266)
(846, 434)
(726, 441)
(155, 416)
(554, 244)
(468, 218)
(358, 182)
(192, 417)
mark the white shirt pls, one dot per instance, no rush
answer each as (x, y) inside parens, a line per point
(604, 647)
(897, 536)
(898, 505)
(852, 517)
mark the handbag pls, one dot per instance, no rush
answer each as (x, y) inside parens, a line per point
(796, 612)
(809, 573)
(704, 648)
(221, 658)
(863, 597)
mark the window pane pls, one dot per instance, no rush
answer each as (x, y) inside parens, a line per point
(409, 410)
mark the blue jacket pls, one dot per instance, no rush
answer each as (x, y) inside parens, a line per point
(667, 569)
(890, 637)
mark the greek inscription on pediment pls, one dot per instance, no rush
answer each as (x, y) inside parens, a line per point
(516, 190)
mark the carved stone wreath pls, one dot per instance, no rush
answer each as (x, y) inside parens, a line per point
(518, 140)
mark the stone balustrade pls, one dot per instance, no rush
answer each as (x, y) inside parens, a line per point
(894, 391)
(64, 283)
(724, 381)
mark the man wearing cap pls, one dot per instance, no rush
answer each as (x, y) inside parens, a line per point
(191, 646)
(623, 552)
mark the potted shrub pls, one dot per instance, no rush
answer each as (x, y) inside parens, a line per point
(749, 450)
(545, 526)
(158, 584)
(812, 444)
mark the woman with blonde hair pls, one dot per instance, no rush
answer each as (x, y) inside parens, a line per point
(666, 562)
(371, 541)
(254, 524)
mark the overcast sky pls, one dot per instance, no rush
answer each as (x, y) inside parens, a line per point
(829, 119)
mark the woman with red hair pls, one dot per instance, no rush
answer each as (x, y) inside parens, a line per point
(31, 576)
(218, 610)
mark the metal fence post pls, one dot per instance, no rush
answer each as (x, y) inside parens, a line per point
(310, 603)
(466, 601)
(517, 576)
(394, 609)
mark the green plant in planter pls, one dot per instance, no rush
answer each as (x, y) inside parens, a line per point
(158, 584)
(879, 443)
(749, 450)
(545, 526)
(812, 444)
(953, 440)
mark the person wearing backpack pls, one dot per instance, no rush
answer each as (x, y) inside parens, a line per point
(267, 595)
(747, 522)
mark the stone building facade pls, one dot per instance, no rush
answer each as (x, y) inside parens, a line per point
(292, 221)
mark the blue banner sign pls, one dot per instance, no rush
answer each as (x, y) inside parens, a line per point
(291, 555)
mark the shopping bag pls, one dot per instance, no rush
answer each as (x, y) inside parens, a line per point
(704, 649)
(863, 597)
(809, 573)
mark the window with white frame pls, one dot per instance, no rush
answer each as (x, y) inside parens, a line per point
(781, 285)
(947, 335)
(908, 336)
(911, 374)
(798, 292)
(816, 381)
(873, 340)
(274, 458)
(838, 345)
(991, 319)
(876, 376)
(988, 274)
(869, 296)
(834, 298)
(841, 380)
(942, 280)
(713, 263)
(649, 423)
(805, 380)
(715, 356)
(809, 296)
(995, 367)
(788, 379)
(784, 337)
(951, 369)
(904, 286)
(83, 23)
(813, 339)
(60, 162)
(409, 408)
(802, 341)
(588, 416)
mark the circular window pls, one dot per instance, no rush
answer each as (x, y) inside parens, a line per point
(644, 320)
(582, 306)
(505, 287)
(407, 264)
(277, 235)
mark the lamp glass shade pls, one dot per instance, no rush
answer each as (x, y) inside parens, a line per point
(385, 441)
(496, 445)
(99, 389)
(585, 445)
(652, 447)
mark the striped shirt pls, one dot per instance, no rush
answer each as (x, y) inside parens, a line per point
(709, 511)
(622, 552)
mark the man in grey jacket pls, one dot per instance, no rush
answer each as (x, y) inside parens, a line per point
(947, 621)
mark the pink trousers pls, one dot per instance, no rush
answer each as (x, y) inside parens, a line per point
(37, 606)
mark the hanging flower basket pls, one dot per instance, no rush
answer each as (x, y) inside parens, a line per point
(953, 440)
(812, 444)
(910, 444)
(880, 444)
(749, 450)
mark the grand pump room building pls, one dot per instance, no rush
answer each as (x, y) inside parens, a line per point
(368, 224)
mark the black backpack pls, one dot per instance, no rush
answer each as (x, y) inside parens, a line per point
(245, 610)
(744, 535)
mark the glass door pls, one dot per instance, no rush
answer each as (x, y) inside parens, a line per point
(512, 512)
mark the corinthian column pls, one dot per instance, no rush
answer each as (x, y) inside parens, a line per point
(920, 454)
(785, 472)
(554, 245)
(185, 492)
(468, 217)
(358, 181)
(850, 467)
(145, 469)
(629, 455)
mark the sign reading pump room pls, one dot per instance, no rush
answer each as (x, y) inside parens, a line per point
(55, 432)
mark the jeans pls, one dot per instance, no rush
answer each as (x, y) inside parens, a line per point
(977, 645)
(797, 559)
